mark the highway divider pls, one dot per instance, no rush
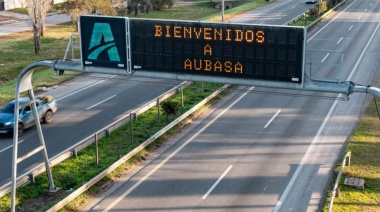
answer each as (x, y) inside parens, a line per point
(323, 17)
(73, 150)
(126, 157)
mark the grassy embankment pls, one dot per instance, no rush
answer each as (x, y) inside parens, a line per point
(17, 52)
(365, 164)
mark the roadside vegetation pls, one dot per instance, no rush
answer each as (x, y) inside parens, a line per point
(17, 51)
(365, 164)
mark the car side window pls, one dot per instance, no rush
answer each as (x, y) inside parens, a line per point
(27, 109)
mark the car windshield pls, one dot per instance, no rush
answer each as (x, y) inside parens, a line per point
(9, 108)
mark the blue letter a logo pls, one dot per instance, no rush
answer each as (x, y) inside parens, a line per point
(102, 40)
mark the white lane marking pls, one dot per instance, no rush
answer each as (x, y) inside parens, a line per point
(359, 18)
(3, 150)
(217, 182)
(100, 102)
(365, 10)
(311, 147)
(340, 40)
(64, 97)
(350, 27)
(323, 60)
(262, 22)
(121, 197)
(270, 121)
(278, 14)
(370, 4)
(265, 11)
(292, 8)
(330, 22)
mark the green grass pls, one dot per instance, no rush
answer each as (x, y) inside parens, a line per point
(17, 52)
(304, 22)
(365, 164)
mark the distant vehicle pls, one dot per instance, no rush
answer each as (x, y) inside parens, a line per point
(46, 107)
(311, 1)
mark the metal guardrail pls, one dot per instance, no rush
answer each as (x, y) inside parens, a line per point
(100, 176)
(72, 151)
(323, 17)
(335, 191)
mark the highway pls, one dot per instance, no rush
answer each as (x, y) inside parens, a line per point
(263, 149)
(85, 105)
(90, 103)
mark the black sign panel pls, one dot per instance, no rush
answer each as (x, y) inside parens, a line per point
(103, 41)
(218, 49)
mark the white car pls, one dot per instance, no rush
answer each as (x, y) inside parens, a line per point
(311, 1)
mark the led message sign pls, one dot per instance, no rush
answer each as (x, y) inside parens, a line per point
(218, 49)
(103, 41)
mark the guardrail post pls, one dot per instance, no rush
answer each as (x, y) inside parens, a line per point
(131, 126)
(348, 159)
(181, 95)
(158, 110)
(96, 150)
(75, 153)
(108, 132)
(31, 178)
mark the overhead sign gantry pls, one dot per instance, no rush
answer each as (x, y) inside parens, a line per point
(242, 51)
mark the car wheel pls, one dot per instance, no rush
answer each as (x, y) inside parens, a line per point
(20, 129)
(48, 116)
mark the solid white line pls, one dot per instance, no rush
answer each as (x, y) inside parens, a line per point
(323, 60)
(340, 40)
(121, 197)
(311, 147)
(330, 22)
(100, 102)
(217, 182)
(3, 150)
(270, 121)
(350, 27)
(359, 18)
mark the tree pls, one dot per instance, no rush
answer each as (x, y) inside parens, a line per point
(162, 4)
(37, 10)
(45, 7)
(75, 8)
(170, 108)
(134, 6)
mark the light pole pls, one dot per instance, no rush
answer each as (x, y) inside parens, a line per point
(222, 10)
